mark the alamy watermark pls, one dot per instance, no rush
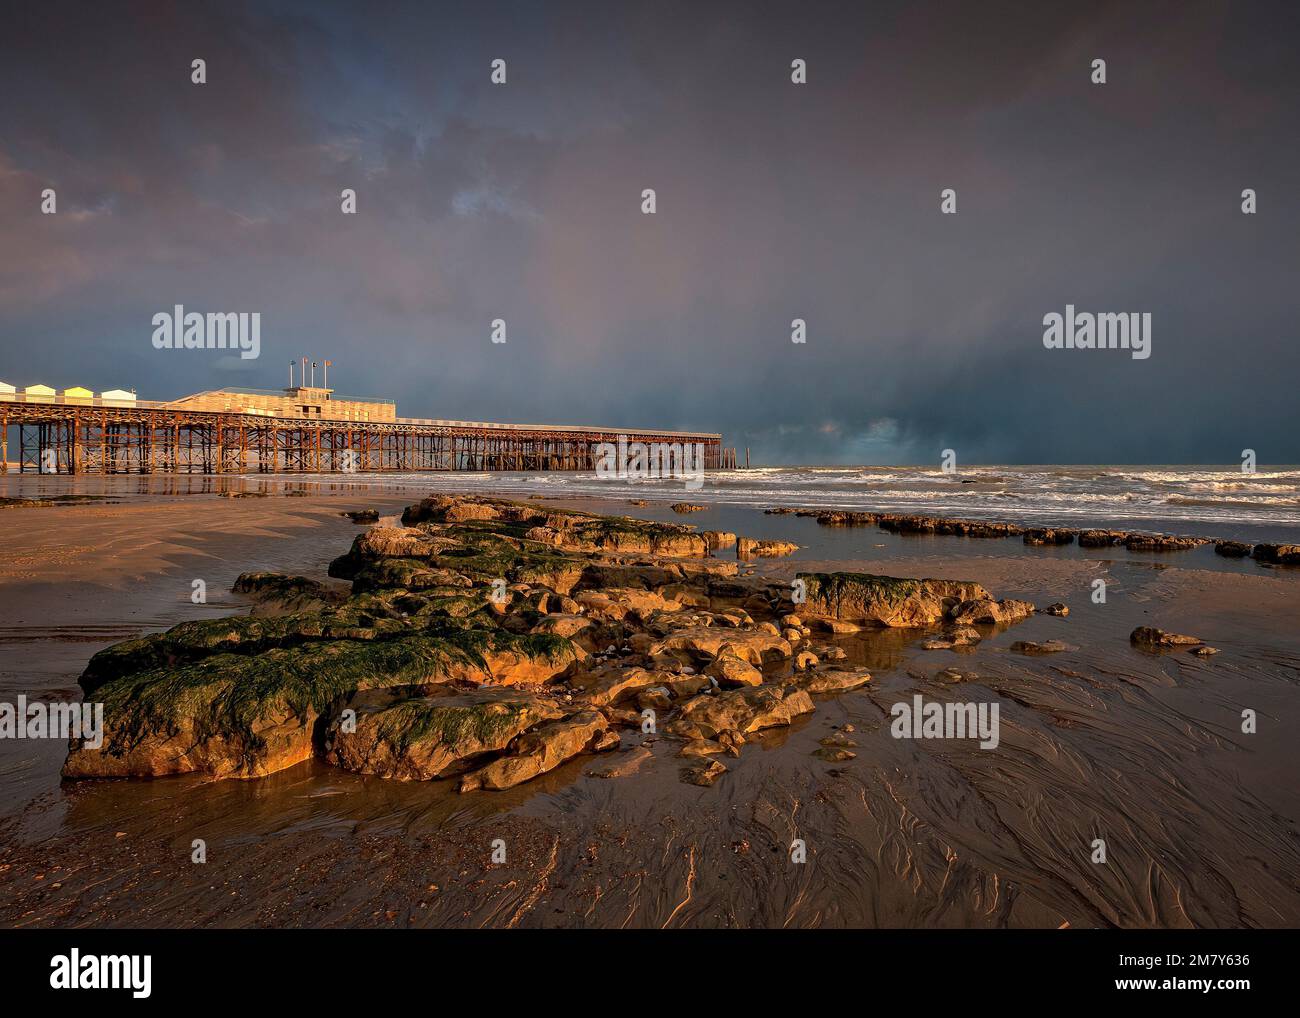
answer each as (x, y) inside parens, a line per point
(181, 330)
(934, 720)
(1083, 330)
(77, 971)
(650, 461)
(64, 721)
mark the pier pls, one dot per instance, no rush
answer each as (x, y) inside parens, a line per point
(296, 430)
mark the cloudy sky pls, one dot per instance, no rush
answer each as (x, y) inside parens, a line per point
(775, 201)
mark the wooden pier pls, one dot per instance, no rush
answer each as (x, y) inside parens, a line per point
(94, 436)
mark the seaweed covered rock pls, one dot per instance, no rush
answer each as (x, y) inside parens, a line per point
(884, 600)
(295, 592)
(431, 737)
(364, 617)
(483, 638)
(247, 715)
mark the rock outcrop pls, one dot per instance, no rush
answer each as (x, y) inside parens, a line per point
(884, 600)
(1277, 554)
(489, 641)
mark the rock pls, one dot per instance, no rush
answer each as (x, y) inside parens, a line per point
(400, 542)
(884, 600)
(912, 524)
(607, 579)
(1101, 538)
(362, 515)
(538, 751)
(791, 635)
(746, 710)
(1161, 542)
(701, 748)
(1057, 609)
(834, 654)
(706, 643)
(465, 510)
(179, 702)
(989, 612)
(655, 698)
(562, 625)
(703, 774)
(423, 738)
(837, 739)
(832, 680)
(643, 602)
(295, 592)
(749, 547)
(611, 683)
(962, 636)
(805, 660)
(1149, 636)
(732, 672)
(687, 507)
(280, 739)
(718, 539)
(1205, 651)
(689, 685)
(841, 518)
(1046, 647)
(1277, 554)
(1232, 549)
(835, 755)
(1049, 535)
(607, 741)
(622, 766)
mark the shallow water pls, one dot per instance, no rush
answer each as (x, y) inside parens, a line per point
(1214, 501)
(1144, 751)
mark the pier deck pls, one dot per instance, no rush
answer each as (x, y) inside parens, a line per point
(84, 436)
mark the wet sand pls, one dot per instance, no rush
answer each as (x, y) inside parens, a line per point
(1143, 750)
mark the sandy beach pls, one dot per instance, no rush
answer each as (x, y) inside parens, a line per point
(1105, 741)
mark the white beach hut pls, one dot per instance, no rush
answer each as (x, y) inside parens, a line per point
(38, 392)
(77, 394)
(6, 389)
(115, 397)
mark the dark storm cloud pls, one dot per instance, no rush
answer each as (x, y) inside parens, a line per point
(775, 202)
